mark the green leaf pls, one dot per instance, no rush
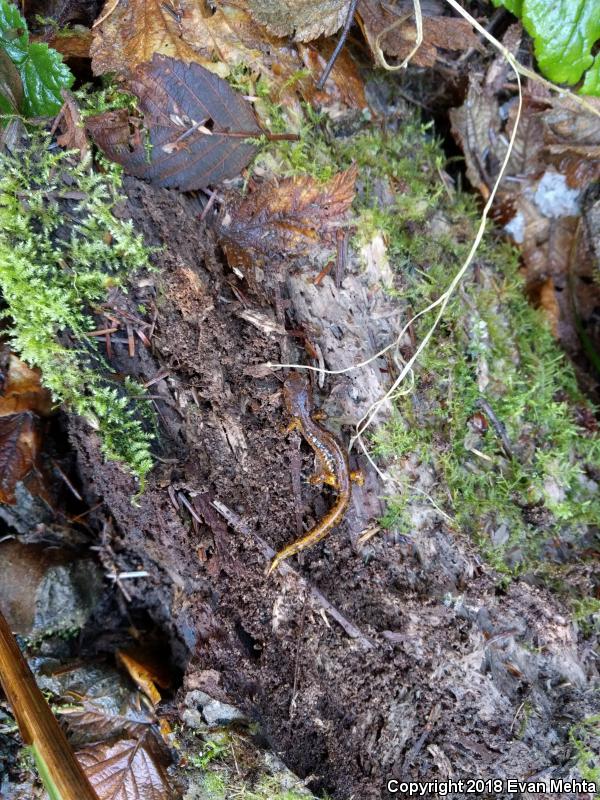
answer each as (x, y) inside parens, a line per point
(514, 6)
(564, 34)
(44, 74)
(41, 69)
(591, 84)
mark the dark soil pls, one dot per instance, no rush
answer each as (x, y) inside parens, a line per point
(451, 677)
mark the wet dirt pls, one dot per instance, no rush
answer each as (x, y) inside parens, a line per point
(447, 675)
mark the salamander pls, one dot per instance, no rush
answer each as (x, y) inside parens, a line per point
(332, 460)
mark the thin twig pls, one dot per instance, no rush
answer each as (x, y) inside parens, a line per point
(339, 45)
(106, 14)
(497, 425)
(238, 524)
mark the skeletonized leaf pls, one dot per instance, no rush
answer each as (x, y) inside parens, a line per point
(127, 769)
(288, 218)
(302, 19)
(195, 127)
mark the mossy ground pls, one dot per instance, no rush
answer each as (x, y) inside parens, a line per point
(225, 765)
(61, 249)
(529, 510)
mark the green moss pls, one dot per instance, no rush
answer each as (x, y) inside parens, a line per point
(585, 738)
(58, 256)
(221, 758)
(586, 612)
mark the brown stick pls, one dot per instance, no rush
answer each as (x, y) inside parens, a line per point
(37, 723)
(237, 523)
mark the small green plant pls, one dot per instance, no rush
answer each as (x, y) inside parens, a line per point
(565, 35)
(58, 256)
(33, 73)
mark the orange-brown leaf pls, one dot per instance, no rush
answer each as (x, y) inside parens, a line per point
(21, 390)
(291, 217)
(145, 671)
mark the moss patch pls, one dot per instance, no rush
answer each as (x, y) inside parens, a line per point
(61, 249)
(528, 507)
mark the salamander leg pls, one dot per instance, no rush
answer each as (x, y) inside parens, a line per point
(293, 426)
(356, 476)
(318, 416)
(319, 478)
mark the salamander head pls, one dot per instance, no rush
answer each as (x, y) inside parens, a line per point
(297, 395)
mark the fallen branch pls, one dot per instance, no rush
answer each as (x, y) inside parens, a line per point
(60, 771)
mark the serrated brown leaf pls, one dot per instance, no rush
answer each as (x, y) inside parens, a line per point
(303, 20)
(289, 218)
(127, 769)
(196, 126)
(439, 33)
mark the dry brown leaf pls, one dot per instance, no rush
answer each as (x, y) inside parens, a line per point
(344, 87)
(197, 127)
(303, 20)
(186, 29)
(221, 41)
(288, 218)
(22, 401)
(128, 769)
(21, 389)
(19, 448)
(73, 136)
(439, 33)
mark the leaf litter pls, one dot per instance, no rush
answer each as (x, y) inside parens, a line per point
(555, 160)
